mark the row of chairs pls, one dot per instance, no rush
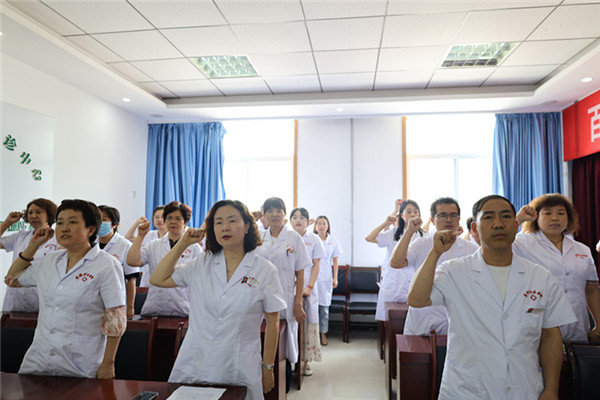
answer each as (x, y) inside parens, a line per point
(356, 294)
(134, 359)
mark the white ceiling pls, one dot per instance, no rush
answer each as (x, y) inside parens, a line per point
(314, 57)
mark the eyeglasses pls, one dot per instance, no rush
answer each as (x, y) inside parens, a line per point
(178, 219)
(453, 216)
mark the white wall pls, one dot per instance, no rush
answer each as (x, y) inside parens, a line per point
(99, 149)
(351, 171)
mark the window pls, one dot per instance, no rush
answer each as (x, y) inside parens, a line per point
(259, 161)
(449, 155)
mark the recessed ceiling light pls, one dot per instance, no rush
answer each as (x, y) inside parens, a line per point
(587, 79)
(126, 99)
(157, 115)
(215, 67)
(549, 102)
(339, 109)
(477, 55)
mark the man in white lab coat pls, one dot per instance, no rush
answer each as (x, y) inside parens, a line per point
(503, 313)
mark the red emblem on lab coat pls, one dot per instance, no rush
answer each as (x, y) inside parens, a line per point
(84, 277)
(533, 294)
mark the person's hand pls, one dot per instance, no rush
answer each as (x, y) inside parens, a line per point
(268, 380)
(391, 219)
(13, 217)
(41, 236)
(13, 280)
(397, 205)
(143, 229)
(256, 215)
(335, 283)
(414, 224)
(299, 312)
(130, 312)
(306, 292)
(459, 231)
(547, 395)
(139, 221)
(191, 236)
(526, 214)
(310, 222)
(106, 371)
(443, 240)
(594, 336)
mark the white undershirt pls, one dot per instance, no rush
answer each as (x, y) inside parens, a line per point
(500, 275)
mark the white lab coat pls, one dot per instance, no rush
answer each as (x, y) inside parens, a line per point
(289, 254)
(68, 339)
(386, 240)
(24, 299)
(166, 301)
(118, 247)
(419, 321)
(572, 268)
(493, 345)
(223, 344)
(395, 286)
(325, 279)
(145, 280)
(316, 250)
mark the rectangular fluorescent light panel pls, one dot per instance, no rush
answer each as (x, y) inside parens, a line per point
(216, 67)
(477, 55)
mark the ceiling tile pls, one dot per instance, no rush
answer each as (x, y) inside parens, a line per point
(158, 90)
(519, 75)
(334, 62)
(498, 5)
(567, 22)
(467, 77)
(500, 25)
(169, 70)
(345, 34)
(193, 88)
(273, 38)
(207, 41)
(175, 14)
(47, 17)
(319, 9)
(93, 47)
(347, 82)
(129, 70)
(411, 58)
(241, 86)
(402, 79)
(293, 84)
(410, 7)
(408, 30)
(283, 64)
(142, 45)
(248, 12)
(100, 16)
(545, 52)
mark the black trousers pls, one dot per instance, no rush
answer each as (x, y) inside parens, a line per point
(288, 375)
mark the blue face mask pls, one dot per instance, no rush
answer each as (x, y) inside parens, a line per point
(105, 229)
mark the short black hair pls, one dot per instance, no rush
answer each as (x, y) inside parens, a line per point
(443, 200)
(303, 212)
(252, 239)
(89, 211)
(273, 202)
(173, 206)
(481, 202)
(112, 213)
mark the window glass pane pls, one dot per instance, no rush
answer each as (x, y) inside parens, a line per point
(429, 179)
(264, 138)
(475, 182)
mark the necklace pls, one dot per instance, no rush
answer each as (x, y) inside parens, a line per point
(557, 242)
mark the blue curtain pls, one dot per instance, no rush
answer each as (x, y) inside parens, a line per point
(527, 156)
(185, 163)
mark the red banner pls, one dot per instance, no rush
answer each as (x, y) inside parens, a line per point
(581, 127)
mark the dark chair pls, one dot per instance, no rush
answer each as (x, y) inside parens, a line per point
(362, 291)
(134, 358)
(16, 336)
(438, 357)
(179, 336)
(140, 298)
(584, 360)
(339, 298)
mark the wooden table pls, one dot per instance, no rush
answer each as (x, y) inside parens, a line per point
(393, 326)
(34, 387)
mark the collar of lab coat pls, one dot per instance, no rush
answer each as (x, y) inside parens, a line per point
(568, 242)
(61, 265)
(483, 277)
(241, 271)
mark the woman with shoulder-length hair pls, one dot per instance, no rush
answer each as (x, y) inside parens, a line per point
(38, 213)
(231, 288)
(549, 223)
(82, 297)
(159, 301)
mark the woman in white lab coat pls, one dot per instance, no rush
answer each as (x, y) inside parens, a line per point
(158, 233)
(231, 288)
(285, 248)
(546, 239)
(160, 301)
(383, 236)
(82, 298)
(38, 213)
(117, 246)
(299, 219)
(328, 273)
(394, 288)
